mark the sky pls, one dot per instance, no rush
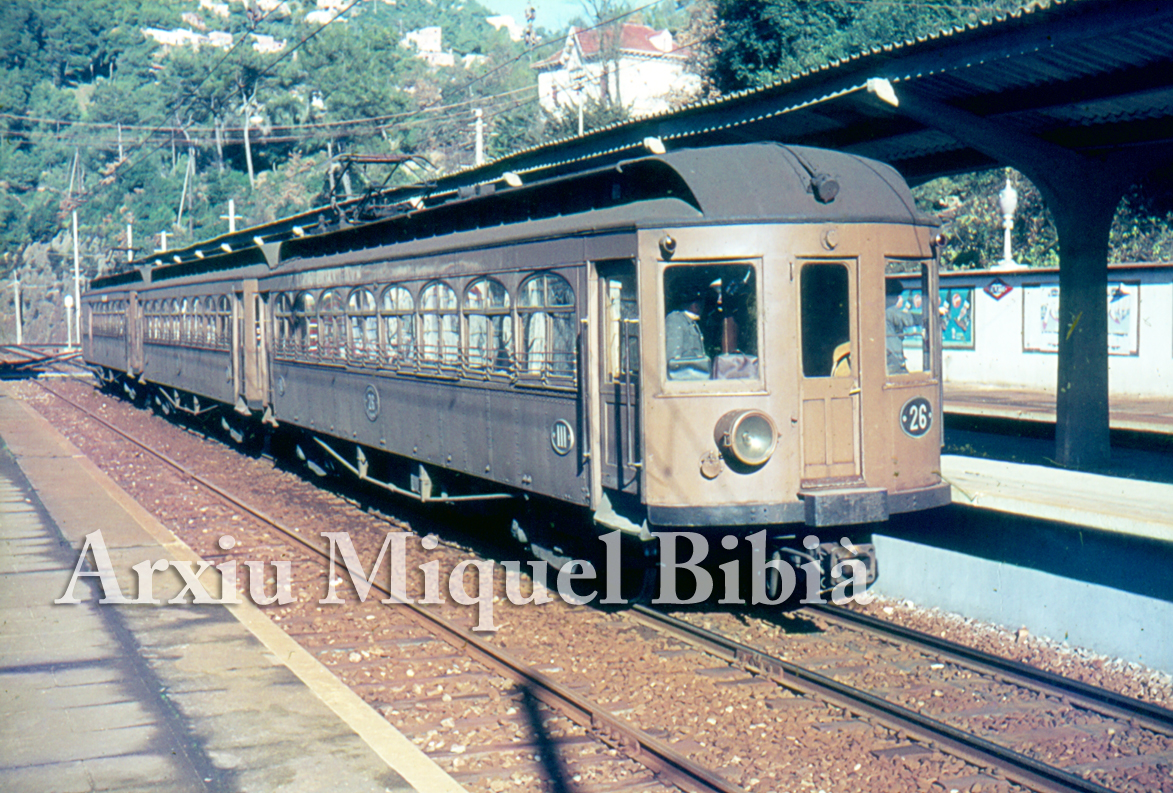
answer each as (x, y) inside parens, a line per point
(554, 15)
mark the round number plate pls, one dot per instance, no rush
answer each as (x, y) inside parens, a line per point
(561, 437)
(371, 402)
(916, 417)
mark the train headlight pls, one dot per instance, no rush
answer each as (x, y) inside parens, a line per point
(748, 435)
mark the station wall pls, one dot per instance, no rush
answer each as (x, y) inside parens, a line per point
(1003, 328)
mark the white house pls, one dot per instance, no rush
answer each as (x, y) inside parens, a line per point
(428, 44)
(641, 71)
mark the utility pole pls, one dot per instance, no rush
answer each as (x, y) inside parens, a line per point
(480, 127)
(76, 276)
(248, 149)
(17, 306)
(231, 216)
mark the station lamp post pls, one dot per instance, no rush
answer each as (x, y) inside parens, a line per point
(1008, 203)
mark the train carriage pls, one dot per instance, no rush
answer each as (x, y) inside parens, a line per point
(699, 340)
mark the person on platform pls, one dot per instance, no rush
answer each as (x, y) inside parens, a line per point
(684, 341)
(898, 321)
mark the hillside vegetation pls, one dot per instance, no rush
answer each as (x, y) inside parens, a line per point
(100, 117)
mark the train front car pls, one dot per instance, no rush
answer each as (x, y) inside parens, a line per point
(789, 377)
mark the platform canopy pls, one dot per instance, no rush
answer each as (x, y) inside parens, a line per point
(1075, 94)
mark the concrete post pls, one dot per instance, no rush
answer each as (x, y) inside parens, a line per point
(1081, 400)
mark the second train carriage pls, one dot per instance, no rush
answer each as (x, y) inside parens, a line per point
(710, 339)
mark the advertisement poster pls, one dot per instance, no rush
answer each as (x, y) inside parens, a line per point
(957, 318)
(1040, 318)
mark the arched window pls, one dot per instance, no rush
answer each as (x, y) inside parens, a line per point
(331, 312)
(490, 326)
(185, 334)
(399, 322)
(440, 324)
(305, 325)
(364, 327)
(224, 322)
(282, 325)
(545, 304)
(174, 321)
(198, 329)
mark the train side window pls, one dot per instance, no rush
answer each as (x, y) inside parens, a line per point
(711, 324)
(546, 305)
(826, 320)
(185, 334)
(282, 325)
(364, 326)
(174, 321)
(331, 312)
(210, 321)
(305, 325)
(621, 324)
(490, 326)
(399, 322)
(439, 324)
(199, 333)
(224, 322)
(906, 310)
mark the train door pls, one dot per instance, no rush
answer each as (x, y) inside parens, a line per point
(134, 335)
(250, 344)
(829, 382)
(619, 372)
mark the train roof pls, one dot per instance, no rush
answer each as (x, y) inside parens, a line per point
(747, 183)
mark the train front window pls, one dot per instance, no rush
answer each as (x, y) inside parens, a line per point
(826, 321)
(906, 317)
(711, 322)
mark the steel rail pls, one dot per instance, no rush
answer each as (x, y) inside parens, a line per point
(1103, 701)
(1013, 765)
(657, 756)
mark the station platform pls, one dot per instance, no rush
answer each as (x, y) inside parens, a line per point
(155, 698)
(1124, 413)
(1108, 503)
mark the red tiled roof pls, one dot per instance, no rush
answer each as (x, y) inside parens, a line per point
(636, 39)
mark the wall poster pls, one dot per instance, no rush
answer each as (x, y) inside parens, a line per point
(957, 318)
(1040, 318)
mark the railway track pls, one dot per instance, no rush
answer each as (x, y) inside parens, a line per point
(347, 652)
(656, 755)
(1108, 703)
(1009, 764)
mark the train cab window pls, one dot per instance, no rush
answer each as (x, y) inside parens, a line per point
(711, 325)
(906, 315)
(546, 305)
(305, 325)
(331, 313)
(439, 324)
(399, 322)
(490, 326)
(364, 326)
(826, 320)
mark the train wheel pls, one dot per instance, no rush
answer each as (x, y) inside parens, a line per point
(773, 577)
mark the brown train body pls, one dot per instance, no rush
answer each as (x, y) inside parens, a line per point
(703, 340)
